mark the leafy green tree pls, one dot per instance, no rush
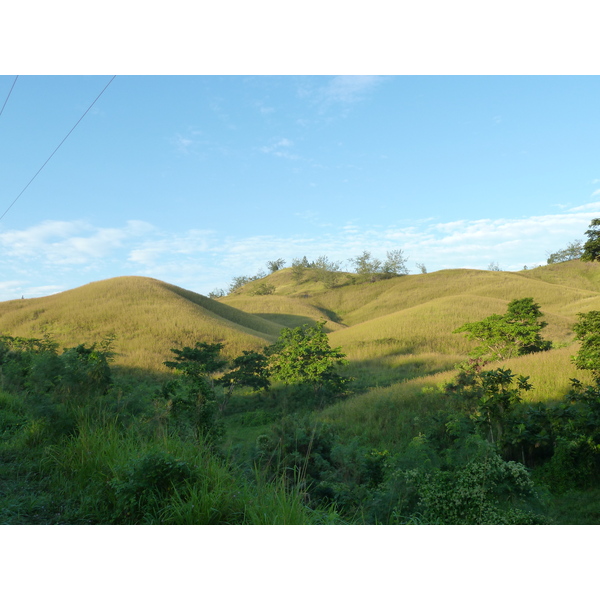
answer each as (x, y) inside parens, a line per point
(513, 334)
(367, 267)
(248, 370)
(192, 400)
(486, 491)
(202, 360)
(573, 251)
(591, 249)
(488, 397)
(275, 265)
(85, 370)
(395, 264)
(326, 271)
(303, 355)
(587, 331)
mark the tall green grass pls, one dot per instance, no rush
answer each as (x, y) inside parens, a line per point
(90, 468)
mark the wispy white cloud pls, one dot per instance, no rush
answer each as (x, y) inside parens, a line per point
(350, 88)
(67, 242)
(263, 109)
(182, 143)
(163, 248)
(587, 208)
(307, 215)
(340, 91)
(279, 148)
(53, 256)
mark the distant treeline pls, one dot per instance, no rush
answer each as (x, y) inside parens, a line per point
(329, 272)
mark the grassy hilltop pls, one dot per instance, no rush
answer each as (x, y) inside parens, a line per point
(148, 317)
(406, 323)
(381, 322)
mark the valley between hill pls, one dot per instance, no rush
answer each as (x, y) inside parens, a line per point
(411, 314)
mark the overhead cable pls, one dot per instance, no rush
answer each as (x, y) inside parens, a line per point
(9, 93)
(57, 147)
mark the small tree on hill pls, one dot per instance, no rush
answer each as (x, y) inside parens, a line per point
(395, 263)
(303, 355)
(515, 333)
(238, 282)
(372, 269)
(591, 249)
(573, 251)
(298, 269)
(326, 271)
(275, 265)
(248, 370)
(263, 289)
(366, 266)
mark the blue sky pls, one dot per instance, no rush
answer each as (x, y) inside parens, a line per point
(197, 179)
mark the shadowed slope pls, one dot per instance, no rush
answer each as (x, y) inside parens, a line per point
(285, 310)
(148, 317)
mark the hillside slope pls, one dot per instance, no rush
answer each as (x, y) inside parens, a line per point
(421, 311)
(412, 314)
(148, 317)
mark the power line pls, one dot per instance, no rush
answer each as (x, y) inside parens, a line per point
(9, 93)
(57, 147)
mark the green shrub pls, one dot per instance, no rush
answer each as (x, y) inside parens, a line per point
(263, 289)
(147, 484)
(485, 491)
(575, 465)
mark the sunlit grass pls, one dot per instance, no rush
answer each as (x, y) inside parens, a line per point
(549, 372)
(286, 311)
(148, 317)
(411, 315)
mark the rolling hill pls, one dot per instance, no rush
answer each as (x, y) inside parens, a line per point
(148, 317)
(387, 320)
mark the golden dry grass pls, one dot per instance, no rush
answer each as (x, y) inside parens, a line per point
(148, 316)
(285, 310)
(409, 316)
(394, 413)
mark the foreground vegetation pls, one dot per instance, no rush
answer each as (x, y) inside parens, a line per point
(81, 445)
(134, 401)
